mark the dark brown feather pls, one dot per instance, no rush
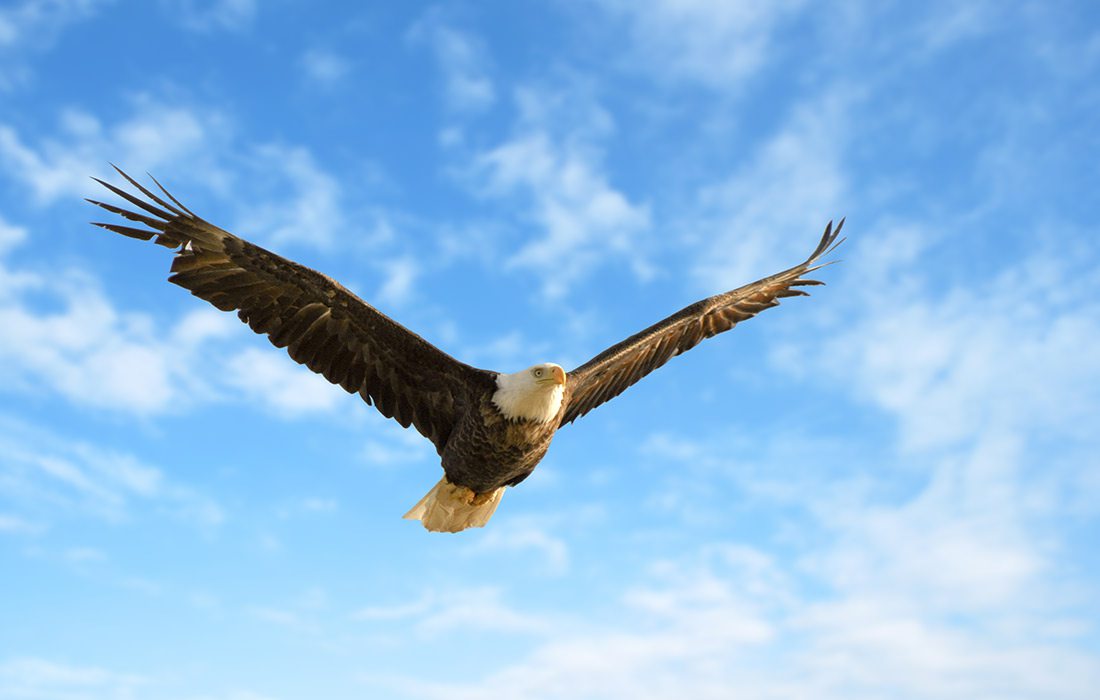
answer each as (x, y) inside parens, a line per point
(614, 370)
(322, 324)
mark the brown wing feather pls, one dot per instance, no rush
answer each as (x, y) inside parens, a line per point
(320, 323)
(609, 374)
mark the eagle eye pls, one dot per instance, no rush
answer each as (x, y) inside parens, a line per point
(538, 372)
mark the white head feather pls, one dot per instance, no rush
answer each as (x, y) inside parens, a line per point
(534, 394)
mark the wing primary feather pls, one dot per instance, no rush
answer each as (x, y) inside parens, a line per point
(139, 233)
(137, 202)
(131, 215)
(144, 190)
(169, 196)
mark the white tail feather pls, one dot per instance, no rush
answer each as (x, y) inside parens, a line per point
(451, 508)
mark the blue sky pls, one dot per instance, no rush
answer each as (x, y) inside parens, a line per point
(889, 489)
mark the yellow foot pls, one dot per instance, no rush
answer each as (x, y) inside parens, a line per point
(482, 498)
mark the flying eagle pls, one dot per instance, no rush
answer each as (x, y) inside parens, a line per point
(489, 428)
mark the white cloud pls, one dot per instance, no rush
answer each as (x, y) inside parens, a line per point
(401, 276)
(320, 505)
(997, 356)
(950, 23)
(291, 198)
(83, 555)
(509, 352)
(41, 19)
(41, 469)
(731, 621)
(324, 67)
(10, 236)
(768, 216)
(34, 26)
(463, 60)
(13, 524)
(214, 15)
(438, 613)
(289, 619)
(584, 219)
(718, 44)
(388, 445)
(549, 552)
(276, 382)
(280, 193)
(64, 334)
(30, 678)
(83, 348)
(155, 135)
(969, 543)
(399, 611)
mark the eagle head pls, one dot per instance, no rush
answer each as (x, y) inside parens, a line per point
(533, 394)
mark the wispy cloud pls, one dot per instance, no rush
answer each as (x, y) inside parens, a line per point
(31, 678)
(90, 352)
(731, 620)
(462, 59)
(717, 44)
(10, 235)
(273, 380)
(767, 215)
(279, 192)
(560, 179)
(289, 619)
(387, 446)
(42, 19)
(44, 471)
(34, 26)
(439, 612)
(325, 68)
(214, 15)
(401, 275)
(154, 135)
(291, 198)
(550, 552)
(975, 357)
(13, 524)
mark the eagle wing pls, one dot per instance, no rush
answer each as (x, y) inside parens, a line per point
(609, 374)
(321, 324)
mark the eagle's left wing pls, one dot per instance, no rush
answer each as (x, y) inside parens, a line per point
(609, 374)
(321, 324)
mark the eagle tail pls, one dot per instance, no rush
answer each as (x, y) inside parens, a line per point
(452, 508)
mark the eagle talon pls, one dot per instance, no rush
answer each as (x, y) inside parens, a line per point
(480, 499)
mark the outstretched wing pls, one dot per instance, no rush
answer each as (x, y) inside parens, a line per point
(608, 374)
(321, 324)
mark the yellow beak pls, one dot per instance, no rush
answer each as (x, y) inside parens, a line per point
(559, 375)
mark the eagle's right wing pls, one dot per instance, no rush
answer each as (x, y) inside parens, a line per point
(320, 323)
(609, 374)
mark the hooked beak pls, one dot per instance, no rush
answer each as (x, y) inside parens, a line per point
(557, 376)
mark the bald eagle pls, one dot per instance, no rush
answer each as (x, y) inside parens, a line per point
(490, 428)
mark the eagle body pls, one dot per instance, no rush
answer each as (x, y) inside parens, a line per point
(488, 449)
(489, 428)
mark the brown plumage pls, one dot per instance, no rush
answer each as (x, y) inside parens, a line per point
(489, 428)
